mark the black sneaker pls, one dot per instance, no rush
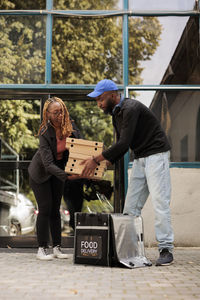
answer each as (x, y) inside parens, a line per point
(165, 259)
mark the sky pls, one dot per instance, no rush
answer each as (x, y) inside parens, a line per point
(155, 68)
(160, 4)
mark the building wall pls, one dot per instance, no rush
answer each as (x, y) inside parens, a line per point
(185, 209)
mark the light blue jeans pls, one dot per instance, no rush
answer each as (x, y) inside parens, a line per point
(151, 175)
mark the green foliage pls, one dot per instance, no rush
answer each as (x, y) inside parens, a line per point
(86, 51)
(16, 118)
(93, 124)
(84, 4)
(22, 47)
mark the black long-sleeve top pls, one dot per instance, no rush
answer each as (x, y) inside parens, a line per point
(136, 128)
(43, 164)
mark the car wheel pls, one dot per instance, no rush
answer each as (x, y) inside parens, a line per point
(15, 229)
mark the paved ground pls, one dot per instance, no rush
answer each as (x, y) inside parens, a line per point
(24, 277)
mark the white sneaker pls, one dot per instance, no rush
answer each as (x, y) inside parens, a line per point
(58, 254)
(43, 255)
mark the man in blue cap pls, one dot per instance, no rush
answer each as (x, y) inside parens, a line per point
(137, 128)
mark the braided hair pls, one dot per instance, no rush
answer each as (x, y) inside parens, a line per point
(66, 125)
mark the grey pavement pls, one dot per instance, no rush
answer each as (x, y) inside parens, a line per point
(24, 277)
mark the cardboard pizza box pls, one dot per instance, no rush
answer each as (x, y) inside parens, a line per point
(84, 146)
(80, 150)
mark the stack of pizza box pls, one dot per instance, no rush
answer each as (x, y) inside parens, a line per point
(80, 150)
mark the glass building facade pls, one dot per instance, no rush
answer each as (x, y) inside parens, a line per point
(150, 48)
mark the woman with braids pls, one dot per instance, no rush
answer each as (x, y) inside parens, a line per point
(47, 175)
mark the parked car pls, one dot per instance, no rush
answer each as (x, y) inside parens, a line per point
(64, 214)
(6, 201)
(22, 216)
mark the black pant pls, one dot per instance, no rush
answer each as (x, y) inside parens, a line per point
(73, 196)
(48, 196)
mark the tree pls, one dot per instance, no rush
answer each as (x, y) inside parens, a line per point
(93, 124)
(16, 124)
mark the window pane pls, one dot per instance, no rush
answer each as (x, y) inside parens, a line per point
(18, 214)
(161, 5)
(19, 123)
(145, 97)
(22, 44)
(179, 113)
(16, 4)
(164, 50)
(8, 180)
(92, 123)
(88, 5)
(86, 51)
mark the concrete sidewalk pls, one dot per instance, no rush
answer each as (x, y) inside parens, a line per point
(24, 277)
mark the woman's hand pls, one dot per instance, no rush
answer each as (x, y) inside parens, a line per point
(74, 176)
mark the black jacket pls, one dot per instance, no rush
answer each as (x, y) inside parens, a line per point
(43, 164)
(136, 127)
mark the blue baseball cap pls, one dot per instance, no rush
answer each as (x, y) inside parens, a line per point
(102, 86)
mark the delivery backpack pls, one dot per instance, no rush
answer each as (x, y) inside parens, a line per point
(109, 240)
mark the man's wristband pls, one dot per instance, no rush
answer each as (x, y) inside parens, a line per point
(96, 162)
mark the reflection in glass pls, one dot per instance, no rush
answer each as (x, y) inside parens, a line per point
(22, 55)
(9, 186)
(162, 5)
(19, 124)
(16, 4)
(144, 37)
(93, 124)
(18, 211)
(22, 216)
(86, 51)
(175, 53)
(87, 5)
(9, 180)
(145, 97)
(179, 114)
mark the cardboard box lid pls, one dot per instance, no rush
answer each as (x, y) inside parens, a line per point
(84, 142)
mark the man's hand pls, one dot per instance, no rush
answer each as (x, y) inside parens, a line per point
(89, 168)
